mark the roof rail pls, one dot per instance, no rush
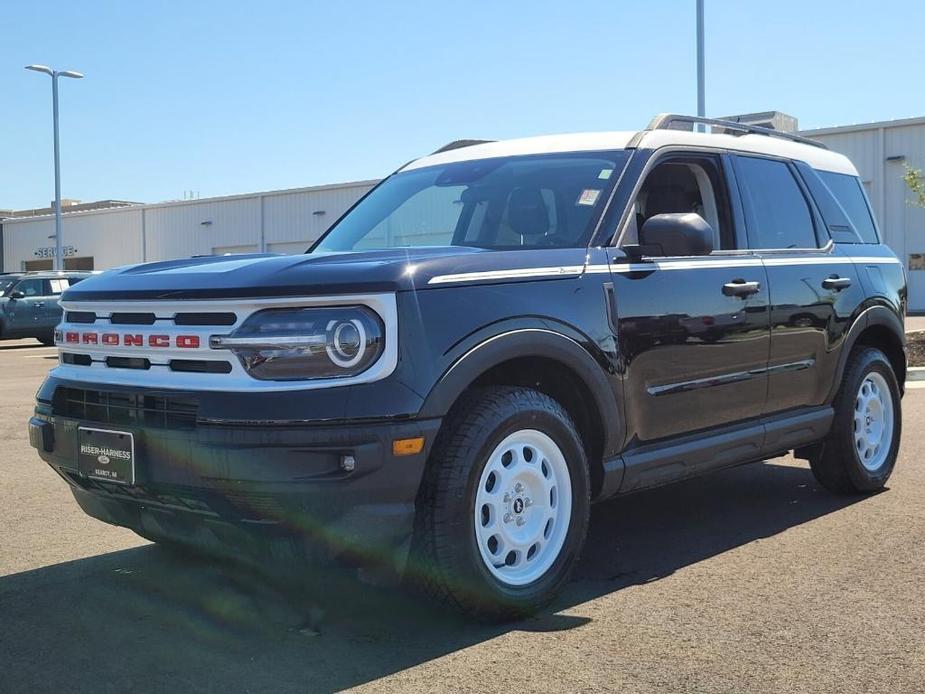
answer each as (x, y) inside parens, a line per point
(665, 121)
(458, 144)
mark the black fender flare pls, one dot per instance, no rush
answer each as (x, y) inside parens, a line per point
(877, 315)
(533, 341)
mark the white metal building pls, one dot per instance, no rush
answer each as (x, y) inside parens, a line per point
(286, 221)
(283, 221)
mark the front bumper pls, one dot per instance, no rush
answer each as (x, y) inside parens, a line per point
(252, 489)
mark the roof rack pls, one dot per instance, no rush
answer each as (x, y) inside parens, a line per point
(458, 144)
(665, 121)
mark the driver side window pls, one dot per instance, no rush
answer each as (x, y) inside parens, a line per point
(31, 287)
(684, 184)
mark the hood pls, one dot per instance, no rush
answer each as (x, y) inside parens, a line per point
(253, 276)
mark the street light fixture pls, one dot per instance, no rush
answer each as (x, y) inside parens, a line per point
(55, 74)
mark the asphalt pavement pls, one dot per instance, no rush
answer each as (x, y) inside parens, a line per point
(749, 580)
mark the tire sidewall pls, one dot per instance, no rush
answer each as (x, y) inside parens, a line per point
(561, 431)
(860, 476)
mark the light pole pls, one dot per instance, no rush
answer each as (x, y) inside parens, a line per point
(54, 74)
(701, 91)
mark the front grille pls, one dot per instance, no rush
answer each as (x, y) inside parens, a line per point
(132, 318)
(128, 363)
(201, 318)
(200, 366)
(126, 409)
(205, 319)
(78, 359)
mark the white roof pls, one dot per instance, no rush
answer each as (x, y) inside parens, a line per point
(817, 157)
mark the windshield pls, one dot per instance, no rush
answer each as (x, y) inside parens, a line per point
(5, 284)
(536, 201)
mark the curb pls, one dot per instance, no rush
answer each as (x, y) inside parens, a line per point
(915, 373)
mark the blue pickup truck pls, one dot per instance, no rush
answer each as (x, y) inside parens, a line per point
(29, 303)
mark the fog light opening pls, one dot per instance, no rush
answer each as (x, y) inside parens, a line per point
(348, 463)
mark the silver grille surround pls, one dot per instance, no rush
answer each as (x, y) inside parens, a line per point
(238, 380)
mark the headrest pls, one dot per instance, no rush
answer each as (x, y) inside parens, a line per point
(665, 199)
(526, 212)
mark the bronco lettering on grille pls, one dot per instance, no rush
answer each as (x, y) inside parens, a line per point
(73, 337)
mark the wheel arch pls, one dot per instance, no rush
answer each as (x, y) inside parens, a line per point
(548, 361)
(879, 327)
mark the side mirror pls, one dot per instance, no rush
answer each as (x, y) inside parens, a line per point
(17, 295)
(677, 234)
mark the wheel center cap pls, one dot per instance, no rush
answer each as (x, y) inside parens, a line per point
(518, 505)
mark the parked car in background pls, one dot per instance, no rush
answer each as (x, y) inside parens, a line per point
(29, 303)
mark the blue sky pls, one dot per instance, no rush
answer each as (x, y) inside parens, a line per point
(233, 97)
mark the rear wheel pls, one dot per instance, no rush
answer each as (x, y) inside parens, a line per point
(504, 508)
(860, 451)
(47, 340)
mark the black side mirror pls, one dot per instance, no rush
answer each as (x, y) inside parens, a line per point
(676, 234)
(17, 295)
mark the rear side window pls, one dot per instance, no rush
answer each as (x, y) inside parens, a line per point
(848, 192)
(778, 213)
(58, 285)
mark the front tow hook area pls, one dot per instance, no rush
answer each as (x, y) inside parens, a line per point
(41, 435)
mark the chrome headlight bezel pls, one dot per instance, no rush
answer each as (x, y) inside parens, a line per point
(307, 343)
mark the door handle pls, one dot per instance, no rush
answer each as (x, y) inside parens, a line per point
(40, 304)
(741, 288)
(836, 283)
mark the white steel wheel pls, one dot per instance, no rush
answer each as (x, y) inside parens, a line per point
(523, 505)
(873, 421)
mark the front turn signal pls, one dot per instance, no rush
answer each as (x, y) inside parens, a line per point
(408, 446)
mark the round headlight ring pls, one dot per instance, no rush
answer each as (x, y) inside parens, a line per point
(336, 344)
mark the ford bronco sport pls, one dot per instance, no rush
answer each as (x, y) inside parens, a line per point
(29, 303)
(496, 336)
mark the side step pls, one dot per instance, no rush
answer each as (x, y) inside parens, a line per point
(669, 461)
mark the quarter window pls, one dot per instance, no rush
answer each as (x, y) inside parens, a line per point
(778, 214)
(847, 190)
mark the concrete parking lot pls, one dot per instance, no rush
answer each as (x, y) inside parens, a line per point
(753, 579)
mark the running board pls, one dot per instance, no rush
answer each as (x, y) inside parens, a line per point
(695, 454)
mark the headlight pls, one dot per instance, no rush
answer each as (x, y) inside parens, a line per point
(306, 343)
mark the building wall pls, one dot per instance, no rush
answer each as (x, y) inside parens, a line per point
(277, 222)
(112, 238)
(879, 151)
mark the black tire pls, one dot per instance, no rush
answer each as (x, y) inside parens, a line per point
(837, 465)
(446, 558)
(47, 340)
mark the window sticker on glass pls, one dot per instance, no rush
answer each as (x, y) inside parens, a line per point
(605, 174)
(588, 196)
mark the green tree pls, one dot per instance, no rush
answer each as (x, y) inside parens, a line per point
(915, 179)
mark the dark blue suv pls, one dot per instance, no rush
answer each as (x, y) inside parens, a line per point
(29, 303)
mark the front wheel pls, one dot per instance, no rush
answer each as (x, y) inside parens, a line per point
(860, 451)
(504, 507)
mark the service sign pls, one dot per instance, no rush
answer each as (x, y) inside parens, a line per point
(51, 252)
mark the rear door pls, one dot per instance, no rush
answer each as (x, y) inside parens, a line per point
(814, 290)
(692, 331)
(52, 310)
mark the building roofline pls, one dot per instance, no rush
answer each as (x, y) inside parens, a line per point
(856, 127)
(178, 203)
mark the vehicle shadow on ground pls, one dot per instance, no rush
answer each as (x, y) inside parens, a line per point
(36, 345)
(147, 619)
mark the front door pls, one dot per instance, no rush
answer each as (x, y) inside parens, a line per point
(25, 314)
(692, 331)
